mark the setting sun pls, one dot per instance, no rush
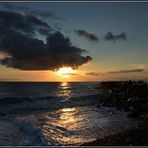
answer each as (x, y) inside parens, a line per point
(65, 71)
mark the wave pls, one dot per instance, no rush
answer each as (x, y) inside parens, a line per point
(21, 131)
(19, 104)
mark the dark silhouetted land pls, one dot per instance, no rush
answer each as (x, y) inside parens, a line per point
(132, 97)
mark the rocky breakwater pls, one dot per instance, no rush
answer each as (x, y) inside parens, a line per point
(131, 96)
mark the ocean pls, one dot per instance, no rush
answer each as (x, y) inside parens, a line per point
(55, 114)
(47, 89)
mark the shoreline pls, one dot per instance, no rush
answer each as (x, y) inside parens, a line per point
(132, 137)
(131, 97)
(114, 111)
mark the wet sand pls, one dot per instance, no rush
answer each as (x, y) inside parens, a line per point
(131, 137)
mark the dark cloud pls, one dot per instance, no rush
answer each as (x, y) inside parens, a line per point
(111, 37)
(27, 52)
(125, 71)
(46, 14)
(86, 34)
(34, 54)
(92, 73)
(27, 24)
(14, 7)
(36, 12)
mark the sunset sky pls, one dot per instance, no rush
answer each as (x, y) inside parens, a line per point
(73, 41)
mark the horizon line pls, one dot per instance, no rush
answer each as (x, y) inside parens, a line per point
(68, 81)
(77, 1)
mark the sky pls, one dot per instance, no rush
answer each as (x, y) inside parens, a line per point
(73, 41)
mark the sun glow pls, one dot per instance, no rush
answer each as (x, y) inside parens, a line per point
(66, 74)
(65, 71)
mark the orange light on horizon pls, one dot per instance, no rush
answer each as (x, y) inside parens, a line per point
(65, 72)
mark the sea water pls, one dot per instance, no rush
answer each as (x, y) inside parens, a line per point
(56, 114)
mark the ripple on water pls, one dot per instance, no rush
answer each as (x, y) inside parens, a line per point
(67, 126)
(78, 125)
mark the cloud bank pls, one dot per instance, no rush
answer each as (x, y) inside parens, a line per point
(111, 37)
(125, 71)
(37, 12)
(25, 51)
(72, 74)
(90, 36)
(108, 37)
(92, 73)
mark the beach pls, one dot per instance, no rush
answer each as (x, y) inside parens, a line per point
(69, 115)
(133, 137)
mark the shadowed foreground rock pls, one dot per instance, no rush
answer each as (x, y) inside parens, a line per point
(131, 96)
(133, 137)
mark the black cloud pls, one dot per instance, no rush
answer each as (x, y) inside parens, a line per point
(111, 37)
(73, 74)
(36, 12)
(125, 71)
(10, 6)
(26, 52)
(46, 14)
(92, 73)
(86, 34)
(22, 23)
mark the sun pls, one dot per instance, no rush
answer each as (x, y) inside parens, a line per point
(65, 70)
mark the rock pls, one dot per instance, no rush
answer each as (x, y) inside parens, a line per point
(136, 112)
(119, 107)
(146, 117)
(129, 115)
(3, 114)
(130, 100)
(126, 108)
(99, 105)
(144, 108)
(127, 95)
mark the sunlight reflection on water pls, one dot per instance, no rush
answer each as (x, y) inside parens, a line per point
(78, 125)
(72, 126)
(65, 91)
(64, 84)
(65, 126)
